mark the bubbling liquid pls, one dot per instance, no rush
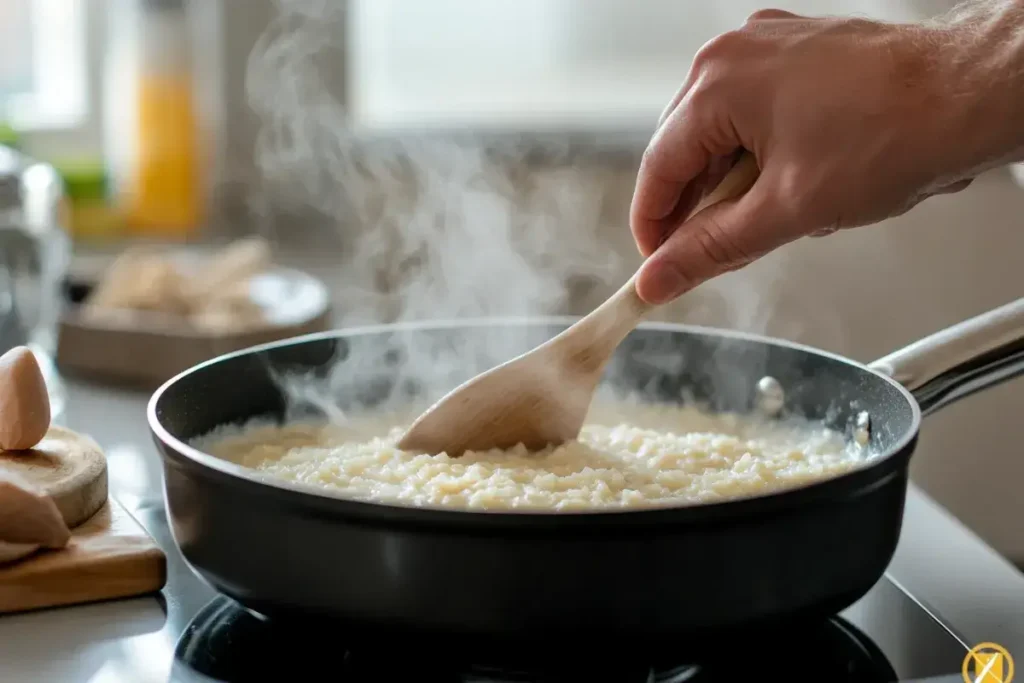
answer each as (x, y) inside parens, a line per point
(627, 456)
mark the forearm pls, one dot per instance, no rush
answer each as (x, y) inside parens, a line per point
(982, 71)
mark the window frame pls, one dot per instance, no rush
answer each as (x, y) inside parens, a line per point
(60, 116)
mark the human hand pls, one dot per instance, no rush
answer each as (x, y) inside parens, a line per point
(850, 121)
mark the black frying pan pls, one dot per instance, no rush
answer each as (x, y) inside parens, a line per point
(664, 574)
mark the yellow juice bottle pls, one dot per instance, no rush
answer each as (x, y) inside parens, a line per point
(163, 186)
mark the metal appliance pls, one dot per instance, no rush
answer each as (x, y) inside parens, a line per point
(35, 252)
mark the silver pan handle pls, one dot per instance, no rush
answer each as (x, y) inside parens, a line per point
(960, 360)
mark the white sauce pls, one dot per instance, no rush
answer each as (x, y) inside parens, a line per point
(627, 456)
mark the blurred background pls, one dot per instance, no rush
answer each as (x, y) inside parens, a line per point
(428, 159)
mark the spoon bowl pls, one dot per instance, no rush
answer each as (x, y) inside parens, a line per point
(542, 397)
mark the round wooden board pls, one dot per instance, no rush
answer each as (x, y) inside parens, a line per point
(68, 467)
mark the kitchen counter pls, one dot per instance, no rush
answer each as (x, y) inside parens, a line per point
(939, 561)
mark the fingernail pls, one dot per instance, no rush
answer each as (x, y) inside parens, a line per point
(661, 282)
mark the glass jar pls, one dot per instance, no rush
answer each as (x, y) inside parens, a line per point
(35, 252)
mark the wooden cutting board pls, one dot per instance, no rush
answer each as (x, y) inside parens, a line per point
(109, 556)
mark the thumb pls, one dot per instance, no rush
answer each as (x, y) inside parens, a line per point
(719, 239)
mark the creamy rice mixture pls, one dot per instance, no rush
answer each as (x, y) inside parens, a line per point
(628, 455)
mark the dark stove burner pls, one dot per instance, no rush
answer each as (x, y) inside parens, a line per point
(225, 642)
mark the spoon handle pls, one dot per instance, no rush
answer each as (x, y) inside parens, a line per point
(622, 312)
(736, 182)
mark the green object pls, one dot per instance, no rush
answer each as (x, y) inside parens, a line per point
(87, 209)
(84, 179)
(8, 136)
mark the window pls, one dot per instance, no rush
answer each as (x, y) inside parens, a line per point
(530, 64)
(533, 64)
(42, 63)
(15, 48)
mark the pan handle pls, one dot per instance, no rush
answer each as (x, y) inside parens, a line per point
(970, 356)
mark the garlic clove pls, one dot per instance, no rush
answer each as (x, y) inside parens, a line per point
(12, 552)
(24, 401)
(28, 516)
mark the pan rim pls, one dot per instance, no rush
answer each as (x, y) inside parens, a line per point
(309, 495)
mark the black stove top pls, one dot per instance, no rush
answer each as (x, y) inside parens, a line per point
(887, 637)
(225, 642)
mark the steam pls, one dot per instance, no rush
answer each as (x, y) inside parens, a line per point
(436, 228)
(432, 228)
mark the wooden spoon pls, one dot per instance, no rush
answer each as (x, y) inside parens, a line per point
(542, 397)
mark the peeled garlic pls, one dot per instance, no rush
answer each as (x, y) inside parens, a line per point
(29, 517)
(10, 552)
(24, 401)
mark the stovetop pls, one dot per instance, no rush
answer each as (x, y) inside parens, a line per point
(886, 637)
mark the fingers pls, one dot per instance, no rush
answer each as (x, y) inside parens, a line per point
(691, 78)
(689, 154)
(728, 236)
(674, 102)
(719, 239)
(674, 158)
(955, 187)
(706, 181)
(769, 14)
(825, 232)
(759, 15)
(693, 130)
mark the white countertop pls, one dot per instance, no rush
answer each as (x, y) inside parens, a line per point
(939, 561)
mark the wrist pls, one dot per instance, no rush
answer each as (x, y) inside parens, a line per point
(976, 83)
